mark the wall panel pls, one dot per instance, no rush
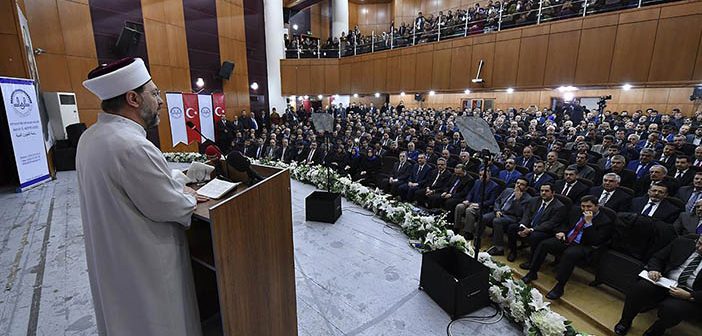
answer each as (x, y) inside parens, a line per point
(632, 52)
(344, 76)
(392, 71)
(677, 41)
(303, 79)
(424, 70)
(485, 52)
(316, 79)
(532, 61)
(408, 71)
(562, 58)
(288, 74)
(595, 55)
(506, 62)
(441, 74)
(379, 74)
(331, 80)
(460, 69)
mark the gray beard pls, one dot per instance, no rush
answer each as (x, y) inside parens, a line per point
(150, 119)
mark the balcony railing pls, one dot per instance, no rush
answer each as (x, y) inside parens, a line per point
(464, 24)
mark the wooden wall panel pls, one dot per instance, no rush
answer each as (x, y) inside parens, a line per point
(532, 61)
(316, 79)
(303, 79)
(485, 52)
(356, 77)
(392, 71)
(632, 52)
(366, 75)
(331, 81)
(408, 71)
(675, 51)
(379, 75)
(460, 68)
(288, 74)
(441, 74)
(11, 56)
(506, 63)
(45, 26)
(595, 55)
(698, 65)
(424, 69)
(344, 76)
(76, 28)
(562, 58)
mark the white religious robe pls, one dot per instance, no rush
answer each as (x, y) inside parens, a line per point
(134, 219)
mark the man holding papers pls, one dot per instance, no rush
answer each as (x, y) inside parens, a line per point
(681, 262)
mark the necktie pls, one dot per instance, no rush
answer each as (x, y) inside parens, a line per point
(687, 272)
(455, 184)
(537, 215)
(647, 210)
(400, 167)
(508, 202)
(438, 174)
(608, 164)
(604, 198)
(576, 230)
(638, 169)
(691, 202)
(309, 157)
(699, 228)
(566, 189)
(678, 175)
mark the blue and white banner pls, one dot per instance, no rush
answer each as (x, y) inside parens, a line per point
(206, 116)
(20, 100)
(174, 102)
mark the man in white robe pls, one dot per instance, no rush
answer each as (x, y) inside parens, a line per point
(134, 214)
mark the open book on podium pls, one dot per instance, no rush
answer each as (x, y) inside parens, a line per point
(217, 188)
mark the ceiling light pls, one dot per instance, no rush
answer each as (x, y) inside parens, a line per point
(568, 96)
(306, 97)
(467, 91)
(355, 95)
(626, 87)
(320, 97)
(254, 86)
(510, 90)
(295, 27)
(402, 94)
(377, 95)
(200, 82)
(432, 92)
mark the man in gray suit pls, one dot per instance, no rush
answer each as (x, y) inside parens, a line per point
(509, 208)
(690, 222)
(553, 166)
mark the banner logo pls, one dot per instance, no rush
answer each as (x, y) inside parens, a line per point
(176, 112)
(205, 112)
(21, 102)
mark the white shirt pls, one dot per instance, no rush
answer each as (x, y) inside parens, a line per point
(675, 273)
(134, 219)
(653, 210)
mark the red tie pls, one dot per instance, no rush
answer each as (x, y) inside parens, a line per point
(576, 230)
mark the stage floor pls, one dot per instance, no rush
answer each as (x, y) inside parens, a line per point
(356, 277)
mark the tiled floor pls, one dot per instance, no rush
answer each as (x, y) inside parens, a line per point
(356, 277)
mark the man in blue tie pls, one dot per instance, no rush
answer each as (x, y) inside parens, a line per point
(466, 212)
(508, 209)
(680, 261)
(509, 174)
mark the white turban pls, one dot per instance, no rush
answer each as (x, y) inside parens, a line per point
(117, 78)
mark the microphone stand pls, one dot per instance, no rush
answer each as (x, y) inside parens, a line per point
(194, 128)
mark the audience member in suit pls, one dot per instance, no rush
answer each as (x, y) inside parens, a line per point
(314, 155)
(431, 155)
(691, 194)
(508, 209)
(417, 179)
(271, 152)
(652, 142)
(538, 176)
(450, 161)
(628, 177)
(299, 154)
(541, 217)
(284, 153)
(459, 186)
(680, 262)
(581, 167)
(466, 212)
(574, 242)
(655, 205)
(606, 161)
(338, 160)
(609, 195)
(682, 173)
(689, 223)
(667, 157)
(509, 174)
(553, 165)
(570, 186)
(368, 168)
(400, 173)
(641, 166)
(657, 173)
(256, 151)
(437, 183)
(527, 159)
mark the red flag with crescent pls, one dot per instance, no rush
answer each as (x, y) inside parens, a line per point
(218, 106)
(192, 109)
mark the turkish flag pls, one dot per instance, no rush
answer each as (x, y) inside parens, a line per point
(218, 106)
(192, 115)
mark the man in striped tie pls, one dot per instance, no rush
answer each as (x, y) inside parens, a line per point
(574, 241)
(681, 262)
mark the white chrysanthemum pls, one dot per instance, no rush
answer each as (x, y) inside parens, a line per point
(496, 294)
(517, 310)
(548, 322)
(537, 300)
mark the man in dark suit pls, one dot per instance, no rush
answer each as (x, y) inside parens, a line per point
(609, 195)
(655, 205)
(657, 173)
(271, 150)
(553, 165)
(668, 157)
(437, 183)
(538, 176)
(466, 212)
(689, 222)
(417, 179)
(527, 159)
(618, 167)
(459, 186)
(541, 217)
(680, 261)
(682, 173)
(508, 209)
(691, 194)
(257, 150)
(581, 167)
(313, 155)
(284, 153)
(509, 174)
(575, 242)
(570, 186)
(641, 166)
(401, 171)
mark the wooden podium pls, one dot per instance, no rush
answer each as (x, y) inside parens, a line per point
(242, 252)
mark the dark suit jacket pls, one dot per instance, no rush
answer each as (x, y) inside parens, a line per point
(685, 179)
(686, 224)
(537, 184)
(666, 211)
(668, 163)
(552, 217)
(618, 201)
(597, 234)
(671, 257)
(628, 177)
(576, 191)
(516, 208)
(442, 181)
(633, 165)
(404, 173)
(420, 177)
(463, 188)
(491, 191)
(645, 182)
(684, 193)
(529, 164)
(287, 156)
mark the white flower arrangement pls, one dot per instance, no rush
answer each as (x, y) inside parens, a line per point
(522, 304)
